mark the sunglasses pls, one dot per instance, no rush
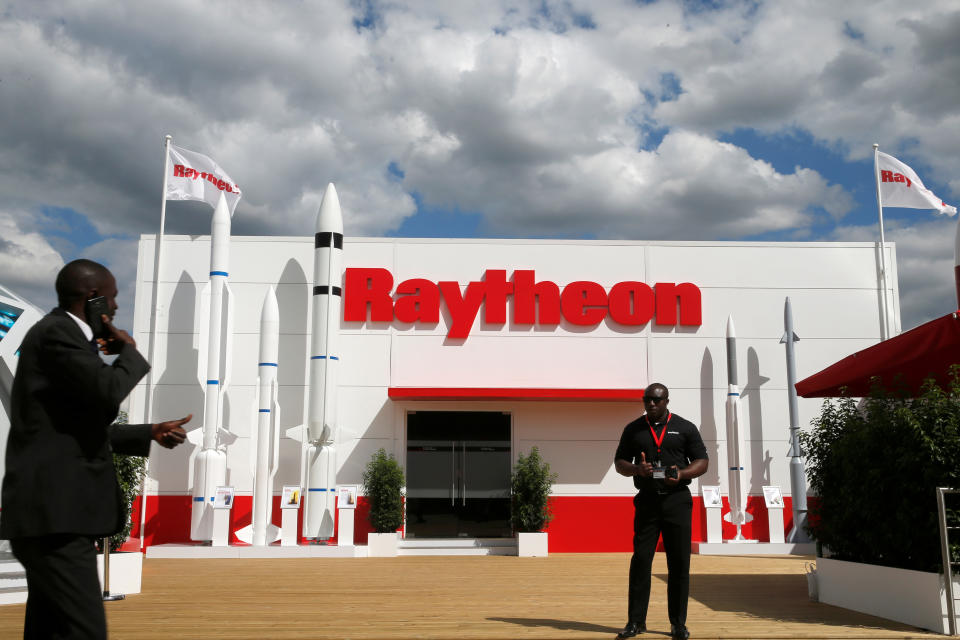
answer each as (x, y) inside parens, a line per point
(653, 400)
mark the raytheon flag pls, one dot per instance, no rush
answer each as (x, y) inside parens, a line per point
(901, 187)
(194, 176)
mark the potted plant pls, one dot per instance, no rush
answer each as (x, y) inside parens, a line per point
(382, 484)
(530, 513)
(875, 467)
(125, 568)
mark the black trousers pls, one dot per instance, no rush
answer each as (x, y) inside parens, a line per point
(64, 597)
(655, 514)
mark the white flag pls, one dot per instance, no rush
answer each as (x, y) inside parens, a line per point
(900, 186)
(194, 176)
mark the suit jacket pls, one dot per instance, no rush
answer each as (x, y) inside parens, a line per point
(60, 476)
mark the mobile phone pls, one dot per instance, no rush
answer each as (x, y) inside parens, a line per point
(93, 309)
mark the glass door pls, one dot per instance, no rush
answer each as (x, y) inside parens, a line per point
(458, 474)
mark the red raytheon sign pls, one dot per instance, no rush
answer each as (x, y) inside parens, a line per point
(369, 295)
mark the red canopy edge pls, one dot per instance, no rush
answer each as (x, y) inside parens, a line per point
(902, 362)
(489, 393)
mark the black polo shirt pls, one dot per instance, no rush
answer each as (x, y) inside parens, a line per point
(681, 445)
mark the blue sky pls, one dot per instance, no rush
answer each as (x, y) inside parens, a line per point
(571, 119)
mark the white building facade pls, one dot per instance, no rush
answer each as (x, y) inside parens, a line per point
(456, 356)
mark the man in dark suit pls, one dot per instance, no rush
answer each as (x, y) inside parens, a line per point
(60, 490)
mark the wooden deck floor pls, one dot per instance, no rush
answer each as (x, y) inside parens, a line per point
(499, 597)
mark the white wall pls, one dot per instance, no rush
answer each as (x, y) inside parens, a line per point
(833, 288)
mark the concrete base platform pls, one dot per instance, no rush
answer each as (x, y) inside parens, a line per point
(181, 551)
(754, 549)
(457, 547)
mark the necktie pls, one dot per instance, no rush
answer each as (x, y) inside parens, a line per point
(94, 346)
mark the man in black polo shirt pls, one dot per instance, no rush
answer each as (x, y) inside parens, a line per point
(663, 453)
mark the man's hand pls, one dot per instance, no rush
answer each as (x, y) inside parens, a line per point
(169, 434)
(644, 469)
(673, 479)
(116, 338)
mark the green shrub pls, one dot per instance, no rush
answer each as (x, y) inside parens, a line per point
(875, 468)
(382, 482)
(530, 493)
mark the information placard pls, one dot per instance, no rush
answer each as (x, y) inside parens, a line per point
(223, 498)
(773, 497)
(347, 496)
(711, 497)
(290, 498)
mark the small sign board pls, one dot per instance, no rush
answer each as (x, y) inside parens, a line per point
(347, 496)
(290, 498)
(223, 498)
(711, 497)
(773, 497)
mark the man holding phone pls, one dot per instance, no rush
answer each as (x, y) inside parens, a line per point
(60, 491)
(662, 452)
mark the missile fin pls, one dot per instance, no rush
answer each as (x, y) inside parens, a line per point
(296, 433)
(254, 411)
(202, 319)
(245, 534)
(275, 426)
(226, 353)
(195, 436)
(273, 533)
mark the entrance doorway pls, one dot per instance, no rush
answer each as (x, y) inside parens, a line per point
(458, 474)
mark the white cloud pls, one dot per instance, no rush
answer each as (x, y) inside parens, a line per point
(543, 117)
(28, 264)
(924, 263)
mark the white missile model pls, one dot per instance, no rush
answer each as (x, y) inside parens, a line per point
(798, 477)
(956, 262)
(735, 427)
(321, 455)
(265, 449)
(210, 465)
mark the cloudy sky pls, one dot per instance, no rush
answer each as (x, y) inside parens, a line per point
(600, 119)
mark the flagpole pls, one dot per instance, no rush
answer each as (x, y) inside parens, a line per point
(884, 324)
(157, 261)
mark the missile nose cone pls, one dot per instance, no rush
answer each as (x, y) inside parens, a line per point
(329, 217)
(271, 311)
(730, 331)
(221, 213)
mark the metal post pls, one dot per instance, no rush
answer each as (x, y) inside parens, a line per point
(947, 564)
(107, 596)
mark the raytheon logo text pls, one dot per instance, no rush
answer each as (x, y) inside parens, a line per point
(370, 295)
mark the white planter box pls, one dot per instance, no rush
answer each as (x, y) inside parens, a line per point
(382, 545)
(917, 598)
(125, 571)
(531, 545)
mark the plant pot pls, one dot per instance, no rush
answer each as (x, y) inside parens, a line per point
(531, 545)
(126, 568)
(382, 545)
(912, 597)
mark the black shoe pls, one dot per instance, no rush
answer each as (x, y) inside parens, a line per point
(632, 629)
(679, 632)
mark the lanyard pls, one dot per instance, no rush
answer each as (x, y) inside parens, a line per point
(663, 433)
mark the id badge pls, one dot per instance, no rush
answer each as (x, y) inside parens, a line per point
(659, 471)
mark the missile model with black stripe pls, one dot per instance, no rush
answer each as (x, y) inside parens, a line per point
(265, 448)
(321, 454)
(210, 464)
(735, 426)
(798, 476)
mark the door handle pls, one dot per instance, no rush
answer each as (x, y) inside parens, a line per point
(463, 474)
(453, 474)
